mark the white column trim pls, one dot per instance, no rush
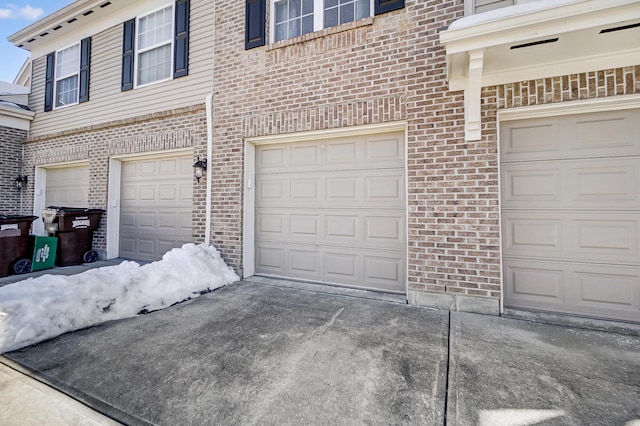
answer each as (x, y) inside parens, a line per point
(472, 97)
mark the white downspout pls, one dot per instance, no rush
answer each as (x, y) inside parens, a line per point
(209, 112)
(207, 226)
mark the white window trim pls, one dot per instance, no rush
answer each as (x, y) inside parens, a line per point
(57, 78)
(318, 18)
(137, 49)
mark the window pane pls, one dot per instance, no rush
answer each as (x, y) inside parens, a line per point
(331, 17)
(281, 12)
(154, 64)
(155, 28)
(281, 32)
(307, 7)
(330, 3)
(307, 24)
(346, 13)
(67, 91)
(68, 61)
(294, 9)
(294, 28)
(362, 9)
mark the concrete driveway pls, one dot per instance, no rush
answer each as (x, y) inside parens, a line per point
(270, 353)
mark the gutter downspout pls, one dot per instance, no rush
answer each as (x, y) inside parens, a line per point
(209, 112)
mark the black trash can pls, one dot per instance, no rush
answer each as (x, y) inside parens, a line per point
(15, 256)
(74, 228)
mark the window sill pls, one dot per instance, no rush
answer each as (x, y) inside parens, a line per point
(319, 34)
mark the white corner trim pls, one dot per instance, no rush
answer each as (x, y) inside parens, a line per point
(248, 225)
(113, 208)
(611, 103)
(472, 97)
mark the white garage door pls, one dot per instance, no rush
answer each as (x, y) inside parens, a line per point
(67, 187)
(333, 211)
(155, 208)
(571, 214)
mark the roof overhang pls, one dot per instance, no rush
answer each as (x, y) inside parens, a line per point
(535, 40)
(80, 13)
(15, 117)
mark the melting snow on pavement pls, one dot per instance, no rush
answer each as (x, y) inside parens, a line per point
(41, 308)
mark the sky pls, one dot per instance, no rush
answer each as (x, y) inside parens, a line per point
(14, 16)
(41, 308)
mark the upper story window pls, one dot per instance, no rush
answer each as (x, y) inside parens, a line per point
(293, 18)
(67, 76)
(156, 46)
(155, 42)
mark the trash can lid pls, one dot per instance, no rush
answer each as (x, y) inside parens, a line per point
(16, 217)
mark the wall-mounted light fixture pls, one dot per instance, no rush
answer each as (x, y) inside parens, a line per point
(198, 168)
(21, 182)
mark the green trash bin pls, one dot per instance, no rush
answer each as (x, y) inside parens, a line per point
(44, 253)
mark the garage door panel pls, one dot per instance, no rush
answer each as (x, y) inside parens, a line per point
(333, 211)
(597, 289)
(352, 228)
(532, 234)
(597, 236)
(591, 290)
(305, 225)
(571, 213)
(342, 152)
(366, 189)
(534, 283)
(67, 186)
(365, 152)
(156, 206)
(594, 135)
(388, 149)
(604, 184)
(361, 268)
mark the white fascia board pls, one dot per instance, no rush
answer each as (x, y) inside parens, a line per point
(545, 23)
(15, 118)
(552, 69)
(117, 13)
(570, 66)
(56, 18)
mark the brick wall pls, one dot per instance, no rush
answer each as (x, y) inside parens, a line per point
(180, 128)
(10, 167)
(378, 70)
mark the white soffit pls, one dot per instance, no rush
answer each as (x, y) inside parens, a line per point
(576, 24)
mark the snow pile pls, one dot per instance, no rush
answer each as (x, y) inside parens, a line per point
(41, 308)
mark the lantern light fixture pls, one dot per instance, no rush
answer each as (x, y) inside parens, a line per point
(198, 168)
(21, 182)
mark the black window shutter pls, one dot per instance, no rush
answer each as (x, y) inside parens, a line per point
(384, 6)
(49, 81)
(181, 43)
(127, 54)
(85, 62)
(255, 22)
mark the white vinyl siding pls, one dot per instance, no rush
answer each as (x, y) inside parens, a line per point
(67, 76)
(154, 41)
(108, 102)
